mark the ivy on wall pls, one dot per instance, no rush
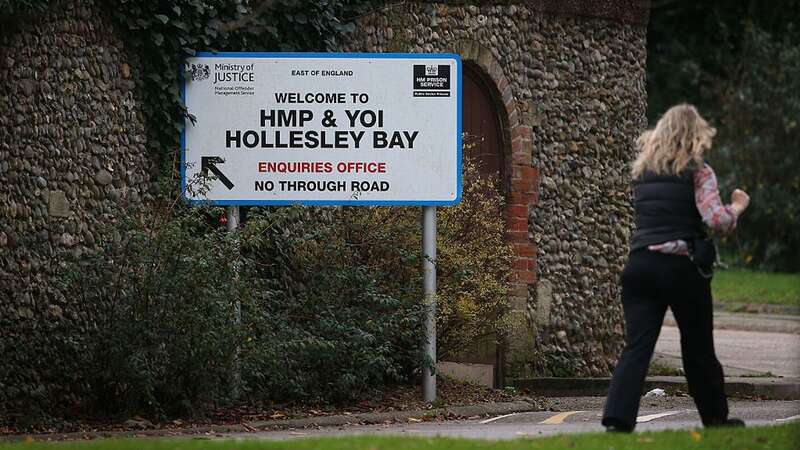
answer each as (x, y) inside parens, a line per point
(160, 34)
(13, 8)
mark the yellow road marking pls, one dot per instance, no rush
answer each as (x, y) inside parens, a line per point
(558, 418)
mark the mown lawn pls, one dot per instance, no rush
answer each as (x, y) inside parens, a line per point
(740, 286)
(782, 437)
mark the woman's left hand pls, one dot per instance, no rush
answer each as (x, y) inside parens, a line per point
(739, 201)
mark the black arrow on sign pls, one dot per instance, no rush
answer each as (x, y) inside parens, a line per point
(210, 163)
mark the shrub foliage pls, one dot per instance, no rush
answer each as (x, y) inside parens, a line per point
(330, 301)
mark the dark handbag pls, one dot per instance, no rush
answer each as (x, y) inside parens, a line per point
(703, 253)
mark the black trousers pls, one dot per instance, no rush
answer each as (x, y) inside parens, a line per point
(651, 282)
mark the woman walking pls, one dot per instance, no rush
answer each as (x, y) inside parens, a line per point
(675, 198)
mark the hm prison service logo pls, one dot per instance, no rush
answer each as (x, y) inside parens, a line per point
(431, 80)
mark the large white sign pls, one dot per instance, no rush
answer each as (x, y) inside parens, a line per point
(322, 129)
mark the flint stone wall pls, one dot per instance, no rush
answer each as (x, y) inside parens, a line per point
(570, 88)
(72, 151)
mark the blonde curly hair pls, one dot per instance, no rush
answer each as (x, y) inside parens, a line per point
(679, 139)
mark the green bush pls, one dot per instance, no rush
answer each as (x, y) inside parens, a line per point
(473, 259)
(314, 323)
(320, 325)
(362, 267)
(474, 266)
(163, 297)
(330, 301)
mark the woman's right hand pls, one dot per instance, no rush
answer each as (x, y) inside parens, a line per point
(739, 201)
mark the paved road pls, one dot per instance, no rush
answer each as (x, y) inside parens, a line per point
(756, 351)
(747, 350)
(773, 323)
(580, 415)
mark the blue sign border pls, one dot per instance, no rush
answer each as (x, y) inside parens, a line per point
(454, 56)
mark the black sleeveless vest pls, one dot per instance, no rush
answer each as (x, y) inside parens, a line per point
(665, 209)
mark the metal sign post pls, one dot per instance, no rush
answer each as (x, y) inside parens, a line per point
(232, 225)
(429, 290)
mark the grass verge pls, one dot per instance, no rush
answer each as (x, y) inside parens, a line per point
(740, 286)
(781, 437)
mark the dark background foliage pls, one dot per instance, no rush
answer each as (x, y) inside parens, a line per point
(739, 62)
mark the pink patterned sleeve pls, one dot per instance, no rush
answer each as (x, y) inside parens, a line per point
(716, 215)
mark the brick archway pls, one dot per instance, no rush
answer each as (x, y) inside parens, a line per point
(522, 179)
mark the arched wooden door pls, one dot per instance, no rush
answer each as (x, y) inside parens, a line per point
(481, 123)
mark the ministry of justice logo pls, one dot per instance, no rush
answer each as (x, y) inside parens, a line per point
(198, 72)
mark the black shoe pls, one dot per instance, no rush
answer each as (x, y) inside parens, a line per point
(618, 429)
(616, 426)
(733, 423)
